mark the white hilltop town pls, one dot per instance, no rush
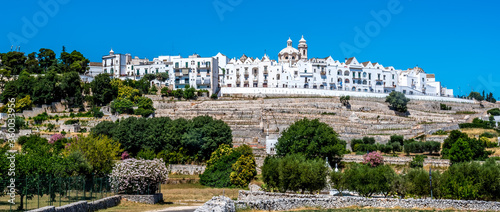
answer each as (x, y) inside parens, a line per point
(292, 73)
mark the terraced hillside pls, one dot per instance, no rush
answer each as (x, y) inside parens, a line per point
(252, 119)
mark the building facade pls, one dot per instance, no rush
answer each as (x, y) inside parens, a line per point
(292, 70)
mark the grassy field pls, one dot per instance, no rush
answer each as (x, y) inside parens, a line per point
(178, 195)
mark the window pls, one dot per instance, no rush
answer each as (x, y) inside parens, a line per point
(369, 76)
(364, 74)
(198, 64)
(353, 75)
(192, 62)
(105, 71)
(138, 72)
(378, 76)
(157, 70)
(177, 65)
(112, 71)
(186, 81)
(384, 77)
(393, 77)
(186, 64)
(146, 70)
(359, 74)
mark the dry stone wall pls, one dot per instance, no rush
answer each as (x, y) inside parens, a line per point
(218, 204)
(280, 202)
(251, 120)
(83, 206)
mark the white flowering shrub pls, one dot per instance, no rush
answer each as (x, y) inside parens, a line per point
(138, 176)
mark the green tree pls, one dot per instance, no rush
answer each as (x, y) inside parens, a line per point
(476, 95)
(46, 58)
(14, 61)
(397, 101)
(460, 151)
(244, 170)
(311, 138)
(102, 90)
(397, 138)
(99, 151)
(338, 181)
(122, 106)
(71, 89)
(368, 180)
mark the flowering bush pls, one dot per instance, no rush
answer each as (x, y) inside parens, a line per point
(373, 158)
(137, 176)
(55, 138)
(125, 155)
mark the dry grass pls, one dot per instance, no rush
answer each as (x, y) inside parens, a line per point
(194, 193)
(496, 151)
(126, 206)
(472, 132)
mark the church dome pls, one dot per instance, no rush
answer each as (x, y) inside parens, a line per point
(289, 50)
(302, 40)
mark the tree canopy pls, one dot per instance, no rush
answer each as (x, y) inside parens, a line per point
(311, 138)
(397, 101)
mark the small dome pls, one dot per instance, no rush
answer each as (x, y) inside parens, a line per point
(111, 52)
(289, 39)
(302, 40)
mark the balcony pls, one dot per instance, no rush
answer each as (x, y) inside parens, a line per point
(323, 73)
(246, 74)
(238, 74)
(203, 82)
(245, 82)
(266, 72)
(178, 74)
(255, 80)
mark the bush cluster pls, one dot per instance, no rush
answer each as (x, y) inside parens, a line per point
(230, 167)
(412, 146)
(138, 176)
(459, 147)
(469, 181)
(176, 141)
(294, 172)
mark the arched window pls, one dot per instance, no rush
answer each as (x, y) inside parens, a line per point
(364, 82)
(346, 80)
(346, 73)
(364, 74)
(353, 88)
(339, 80)
(339, 73)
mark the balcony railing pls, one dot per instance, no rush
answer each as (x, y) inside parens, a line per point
(266, 72)
(246, 73)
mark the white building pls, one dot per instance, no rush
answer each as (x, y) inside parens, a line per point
(292, 70)
(295, 70)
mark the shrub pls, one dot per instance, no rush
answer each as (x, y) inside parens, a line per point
(444, 107)
(214, 96)
(146, 154)
(55, 138)
(373, 159)
(368, 180)
(440, 132)
(397, 101)
(487, 135)
(165, 91)
(125, 155)
(133, 176)
(494, 112)
(293, 172)
(71, 121)
(397, 138)
(417, 162)
(244, 170)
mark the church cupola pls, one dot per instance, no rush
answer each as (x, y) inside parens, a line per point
(289, 42)
(303, 49)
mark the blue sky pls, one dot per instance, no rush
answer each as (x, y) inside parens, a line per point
(456, 40)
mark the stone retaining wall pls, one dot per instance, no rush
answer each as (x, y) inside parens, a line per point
(148, 199)
(218, 204)
(398, 160)
(279, 201)
(83, 206)
(186, 169)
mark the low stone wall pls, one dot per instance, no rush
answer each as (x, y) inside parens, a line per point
(186, 169)
(148, 199)
(104, 203)
(279, 201)
(218, 204)
(398, 160)
(83, 206)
